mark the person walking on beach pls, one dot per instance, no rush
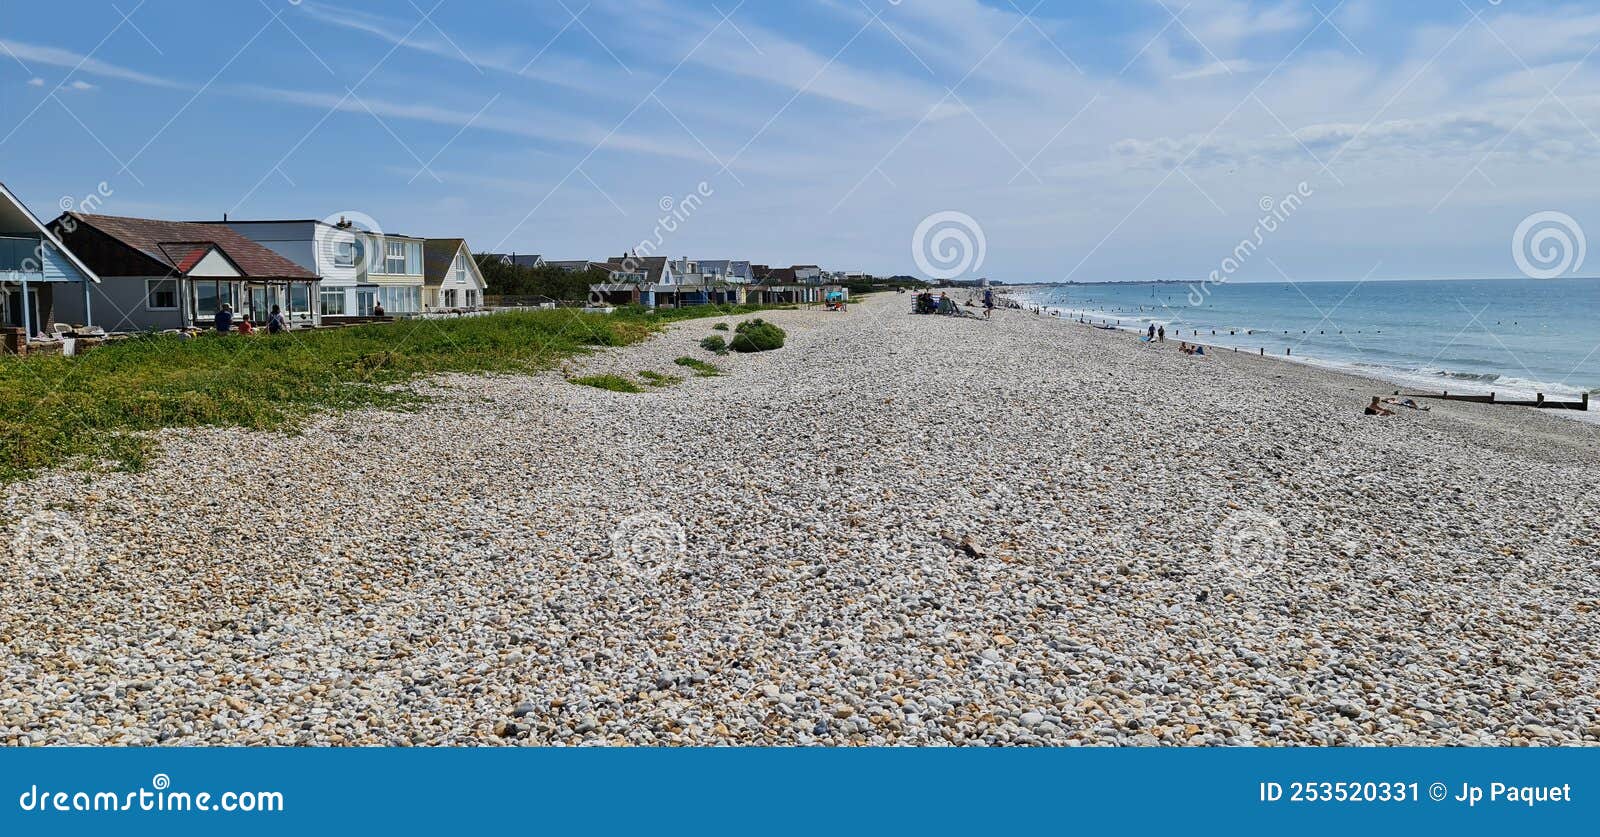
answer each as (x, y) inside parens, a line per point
(224, 319)
(1161, 334)
(1151, 333)
(276, 324)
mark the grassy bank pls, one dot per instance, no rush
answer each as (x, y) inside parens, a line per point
(89, 410)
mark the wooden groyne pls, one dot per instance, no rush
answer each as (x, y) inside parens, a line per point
(1539, 401)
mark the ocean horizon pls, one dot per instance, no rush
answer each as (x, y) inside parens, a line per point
(1515, 337)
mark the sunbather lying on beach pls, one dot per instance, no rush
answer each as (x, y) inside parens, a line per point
(1377, 409)
(1406, 402)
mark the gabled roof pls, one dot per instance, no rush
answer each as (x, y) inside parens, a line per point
(179, 245)
(29, 219)
(439, 256)
(651, 266)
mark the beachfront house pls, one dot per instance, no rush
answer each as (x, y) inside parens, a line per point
(726, 270)
(360, 269)
(452, 281)
(574, 265)
(41, 281)
(157, 275)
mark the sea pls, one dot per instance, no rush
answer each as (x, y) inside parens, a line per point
(1514, 337)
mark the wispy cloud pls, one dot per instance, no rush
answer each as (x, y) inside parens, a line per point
(57, 57)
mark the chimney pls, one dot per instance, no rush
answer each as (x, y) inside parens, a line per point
(224, 217)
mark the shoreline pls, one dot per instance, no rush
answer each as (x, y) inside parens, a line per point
(1392, 378)
(896, 529)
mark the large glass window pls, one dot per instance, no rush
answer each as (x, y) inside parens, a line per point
(472, 299)
(161, 294)
(461, 269)
(394, 262)
(332, 302)
(450, 298)
(210, 296)
(414, 259)
(300, 301)
(365, 300)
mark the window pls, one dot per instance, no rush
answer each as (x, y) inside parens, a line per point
(414, 260)
(161, 294)
(332, 302)
(394, 262)
(344, 253)
(210, 296)
(461, 269)
(365, 299)
(450, 299)
(300, 301)
(472, 299)
(406, 300)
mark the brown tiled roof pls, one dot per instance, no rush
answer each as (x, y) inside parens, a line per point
(180, 245)
(651, 266)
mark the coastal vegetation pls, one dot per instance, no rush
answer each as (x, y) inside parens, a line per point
(700, 367)
(715, 343)
(612, 383)
(757, 336)
(657, 379)
(95, 410)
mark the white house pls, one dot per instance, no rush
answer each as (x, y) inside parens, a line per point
(452, 281)
(360, 269)
(41, 281)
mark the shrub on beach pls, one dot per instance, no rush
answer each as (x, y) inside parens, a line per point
(721, 327)
(715, 344)
(757, 336)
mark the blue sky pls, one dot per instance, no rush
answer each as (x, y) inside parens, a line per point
(1087, 140)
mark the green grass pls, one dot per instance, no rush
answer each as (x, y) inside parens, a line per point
(656, 379)
(700, 367)
(95, 410)
(614, 383)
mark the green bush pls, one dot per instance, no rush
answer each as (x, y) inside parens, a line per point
(757, 336)
(715, 344)
(721, 326)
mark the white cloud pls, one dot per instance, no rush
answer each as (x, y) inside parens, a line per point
(57, 57)
(35, 82)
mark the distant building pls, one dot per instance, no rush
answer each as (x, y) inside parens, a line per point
(519, 260)
(360, 269)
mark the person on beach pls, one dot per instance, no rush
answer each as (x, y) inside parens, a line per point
(1377, 409)
(246, 328)
(276, 323)
(1152, 332)
(377, 310)
(224, 319)
(1161, 334)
